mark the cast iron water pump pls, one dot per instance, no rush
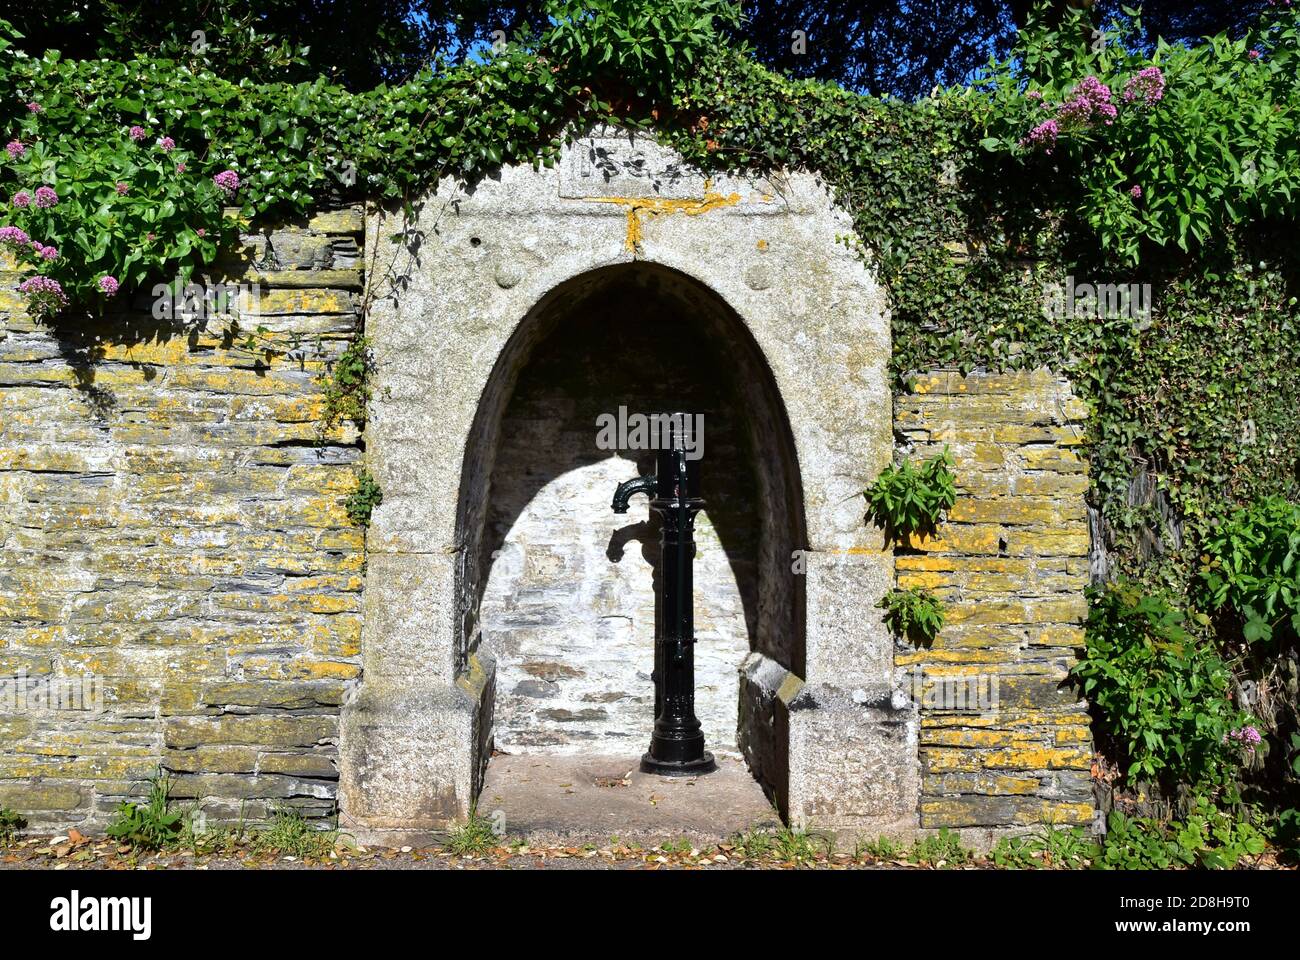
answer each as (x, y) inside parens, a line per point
(677, 745)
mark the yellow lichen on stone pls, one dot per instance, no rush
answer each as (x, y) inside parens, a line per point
(637, 207)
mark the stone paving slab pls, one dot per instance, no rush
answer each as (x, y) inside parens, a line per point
(593, 799)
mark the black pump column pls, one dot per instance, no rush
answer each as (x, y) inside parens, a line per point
(677, 745)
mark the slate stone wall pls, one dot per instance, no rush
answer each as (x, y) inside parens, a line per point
(171, 525)
(1003, 741)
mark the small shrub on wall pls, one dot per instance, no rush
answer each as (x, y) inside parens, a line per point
(1163, 697)
(104, 216)
(361, 503)
(907, 499)
(915, 615)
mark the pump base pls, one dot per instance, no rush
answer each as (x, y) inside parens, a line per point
(686, 768)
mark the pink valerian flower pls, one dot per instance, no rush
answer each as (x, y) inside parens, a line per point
(22, 199)
(1253, 54)
(17, 238)
(1034, 95)
(15, 149)
(166, 144)
(121, 188)
(14, 236)
(138, 133)
(108, 285)
(35, 107)
(228, 181)
(1147, 85)
(1044, 135)
(1135, 192)
(46, 197)
(1247, 737)
(44, 295)
(1089, 99)
(180, 168)
(150, 236)
(201, 232)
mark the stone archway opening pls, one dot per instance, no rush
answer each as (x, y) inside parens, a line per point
(465, 290)
(561, 591)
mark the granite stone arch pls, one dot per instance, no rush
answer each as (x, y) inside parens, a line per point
(828, 731)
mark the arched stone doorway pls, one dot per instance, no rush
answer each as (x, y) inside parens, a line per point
(566, 588)
(460, 297)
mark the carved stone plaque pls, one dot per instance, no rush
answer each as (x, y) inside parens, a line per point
(607, 163)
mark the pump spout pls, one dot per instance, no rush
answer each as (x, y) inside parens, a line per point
(627, 488)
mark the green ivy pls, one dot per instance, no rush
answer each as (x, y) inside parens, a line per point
(361, 502)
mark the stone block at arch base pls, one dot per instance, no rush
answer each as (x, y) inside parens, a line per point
(407, 757)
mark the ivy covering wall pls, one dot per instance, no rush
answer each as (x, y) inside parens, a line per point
(987, 211)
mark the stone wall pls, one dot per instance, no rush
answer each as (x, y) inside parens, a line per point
(1011, 565)
(170, 525)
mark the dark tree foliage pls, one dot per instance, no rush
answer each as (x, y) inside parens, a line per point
(357, 44)
(908, 48)
(901, 48)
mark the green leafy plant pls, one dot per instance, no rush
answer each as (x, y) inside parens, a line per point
(1137, 843)
(1161, 695)
(152, 825)
(907, 499)
(289, 833)
(347, 386)
(881, 848)
(473, 838)
(940, 849)
(103, 215)
(10, 823)
(1117, 119)
(1208, 838)
(1066, 848)
(914, 614)
(1252, 565)
(363, 500)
